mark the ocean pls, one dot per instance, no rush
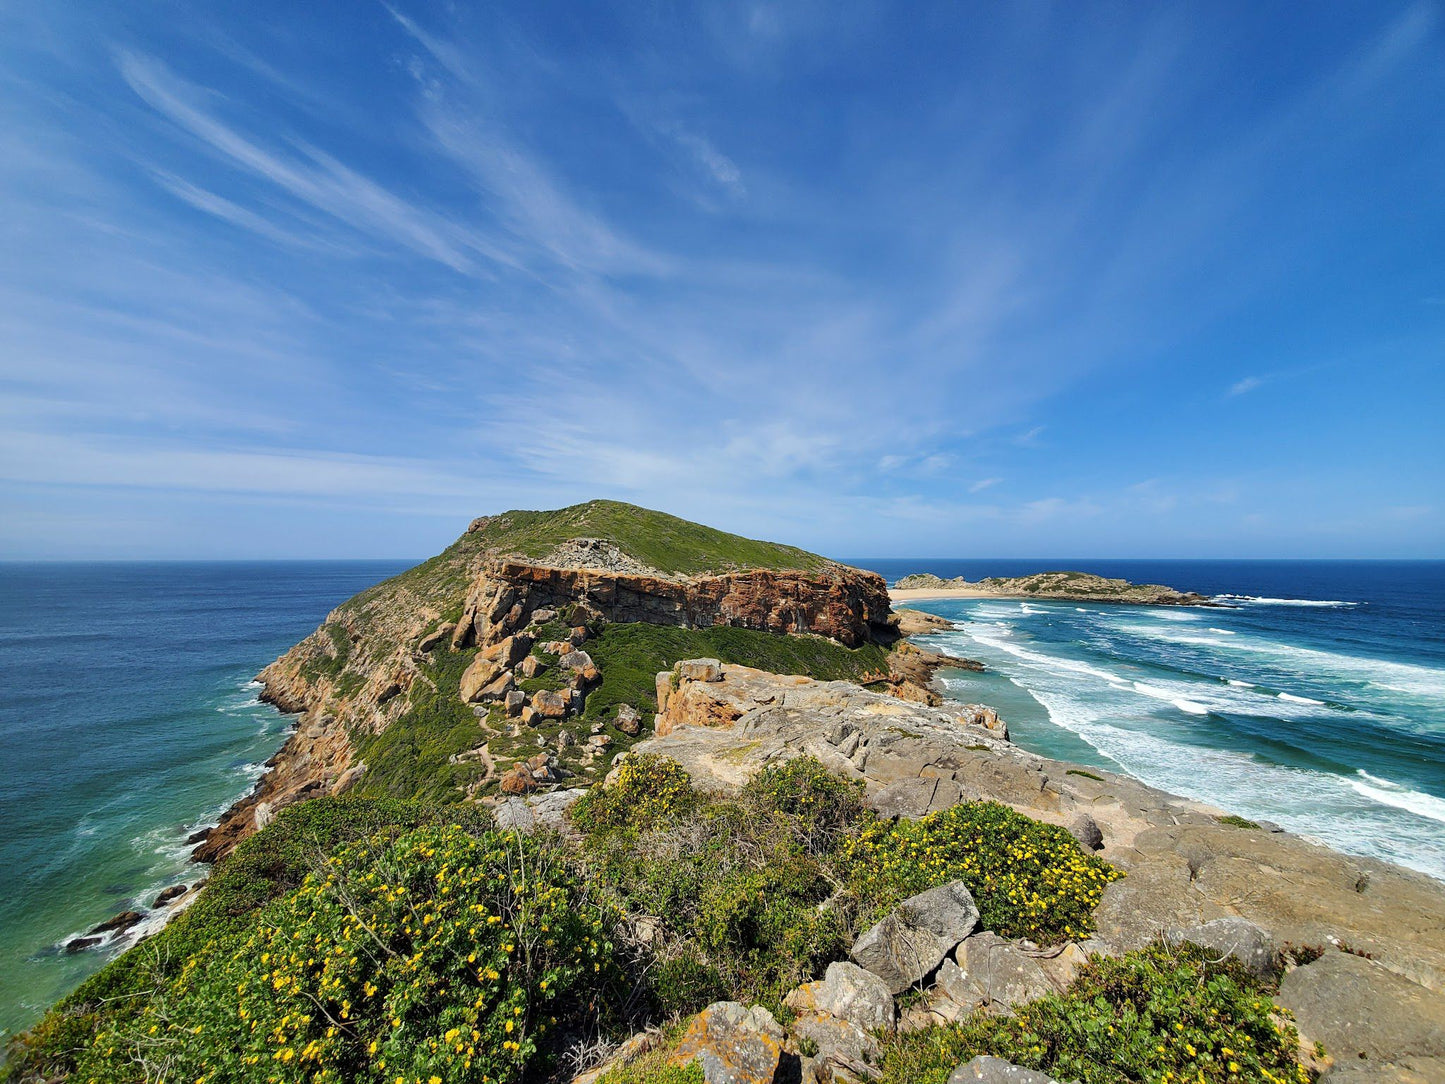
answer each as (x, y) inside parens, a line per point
(1314, 697)
(128, 718)
(128, 713)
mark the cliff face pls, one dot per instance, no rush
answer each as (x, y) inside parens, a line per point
(369, 663)
(841, 603)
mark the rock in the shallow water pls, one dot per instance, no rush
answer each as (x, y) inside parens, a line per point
(175, 892)
(1362, 1012)
(850, 993)
(629, 720)
(1086, 830)
(80, 944)
(986, 1069)
(733, 1044)
(1001, 973)
(699, 670)
(118, 923)
(549, 704)
(1235, 937)
(913, 938)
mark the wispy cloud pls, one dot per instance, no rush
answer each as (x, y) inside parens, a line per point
(1246, 385)
(984, 483)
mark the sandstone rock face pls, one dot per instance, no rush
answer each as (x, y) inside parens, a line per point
(986, 1069)
(1362, 1013)
(699, 670)
(476, 677)
(914, 938)
(733, 1044)
(844, 604)
(850, 993)
(918, 623)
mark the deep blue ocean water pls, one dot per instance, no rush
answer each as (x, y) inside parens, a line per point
(129, 718)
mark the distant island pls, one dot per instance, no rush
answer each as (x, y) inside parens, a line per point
(1060, 586)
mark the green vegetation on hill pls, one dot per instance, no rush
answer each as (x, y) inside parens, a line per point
(666, 543)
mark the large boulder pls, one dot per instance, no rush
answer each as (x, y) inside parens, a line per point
(476, 677)
(850, 993)
(733, 1044)
(915, 937)
(848, 1050)
(629, 720)
(1363, 1013)
(1085, 829)
(986, 1069)
(999, 972)
(1235, 937)
(550, 705)
(510, 650)
(699, 670)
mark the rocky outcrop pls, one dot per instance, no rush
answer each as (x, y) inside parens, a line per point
(1186, 868)
(914, 938)
(1062, 586)
(841, 603)
(733, 1044)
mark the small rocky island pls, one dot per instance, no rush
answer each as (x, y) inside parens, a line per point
(1058, 586)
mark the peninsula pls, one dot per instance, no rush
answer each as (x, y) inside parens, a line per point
(601, 796)
(1056, 586)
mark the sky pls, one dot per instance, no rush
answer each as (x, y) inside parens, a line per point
(1027, 279)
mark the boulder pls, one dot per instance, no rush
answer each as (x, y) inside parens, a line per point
(496, 689)
(542, 615)
(915, 937)
(481, 673)
(1235, 937)
(1086, 830)
(699, 670)
(840, 1044)
(629, 720)
(436, 636)
(576, 660)
(549, 704)
(578, 636)
(175, 892)
(990, 1070)
(516, 700)
(999, 971)
(80, 944)
(1363, 1013)
(850, 993)
(517, 780)
(510, 650)
(530, 667)
(529, 715)
(732, 1044)
(118, 923)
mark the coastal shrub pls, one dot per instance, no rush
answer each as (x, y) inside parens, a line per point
(645, 788)
(1236, 821)
(734, 902)
(823, 803)
(432, 956)
(1028, 879)
(262, 868)
(1156, 1014)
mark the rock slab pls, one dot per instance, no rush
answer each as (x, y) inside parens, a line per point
(733, 1044)
(914, 938)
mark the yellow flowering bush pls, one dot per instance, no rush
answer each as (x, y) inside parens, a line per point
(435, 957)
(1028, 879)
(1159, 1014)
(644, 789)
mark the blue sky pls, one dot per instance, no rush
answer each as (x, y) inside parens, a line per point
(330, 279)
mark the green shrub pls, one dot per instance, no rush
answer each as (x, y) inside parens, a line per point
(1028, 879)
(262, 868)
(1158, 1014)
(645, 789)
(1235, 821)
(823, 802)
(435, 956)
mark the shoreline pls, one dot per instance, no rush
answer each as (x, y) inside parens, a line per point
(926, 594)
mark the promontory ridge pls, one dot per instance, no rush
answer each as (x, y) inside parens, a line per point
(602, 796)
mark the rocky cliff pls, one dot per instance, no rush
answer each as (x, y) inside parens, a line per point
(494, 627)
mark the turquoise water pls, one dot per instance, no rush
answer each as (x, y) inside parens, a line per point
(1315, 699)
(129, 718)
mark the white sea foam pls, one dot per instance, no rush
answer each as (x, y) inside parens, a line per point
(1300, 699)
(1382, 790)
(1256, 600)
(1223, 632)
(1240, 684)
